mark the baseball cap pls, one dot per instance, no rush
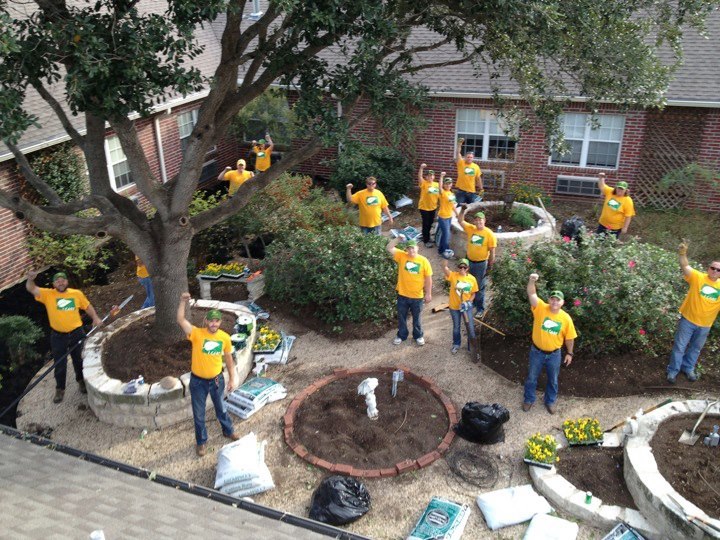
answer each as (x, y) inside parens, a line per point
(241, 162)
(411, 243)
(213, 315)
(261, 141)
(59, 275)
(480, 215)
(447, 180)
(463, 261)
(622, 185)
(557, 294)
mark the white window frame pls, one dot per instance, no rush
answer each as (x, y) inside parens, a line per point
(182, 122)
(111, 163)
(587, 139)
(485, 119)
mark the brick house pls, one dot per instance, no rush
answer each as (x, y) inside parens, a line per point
(639, 146)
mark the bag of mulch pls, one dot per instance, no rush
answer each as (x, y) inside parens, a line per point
(241, 468)
(572, 227)
(339, 500)
(510, 506)
(480, 423)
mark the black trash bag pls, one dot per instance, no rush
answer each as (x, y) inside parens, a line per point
(481, 423)
(339, 500)
(572, 227)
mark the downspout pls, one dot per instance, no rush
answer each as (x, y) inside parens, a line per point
(158, 142)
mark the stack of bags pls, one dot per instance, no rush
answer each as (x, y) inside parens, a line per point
(253, 396)
(241, 469)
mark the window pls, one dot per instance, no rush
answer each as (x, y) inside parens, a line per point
(485, 134)
(493, 179)
(117, 164)
(591, 145)
(576, 185)
(186, 122)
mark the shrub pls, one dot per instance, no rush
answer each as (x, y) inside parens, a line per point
(344, 274)
(522, 216)
(78, 254)
(528, 193)
(216, 244)
(622, 297)
(19, 334)
(391, 167)
(63, 169)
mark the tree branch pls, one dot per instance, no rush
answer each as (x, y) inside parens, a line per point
(78, 139)
(35, 181)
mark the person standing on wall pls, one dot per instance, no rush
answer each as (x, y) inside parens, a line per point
(618, 208)
(469, 177)
(63, 307)
(371, 203)
(428, 203)
(446, 209)
(263, 152)
(236, 178)
(146, 281)
(481, 244)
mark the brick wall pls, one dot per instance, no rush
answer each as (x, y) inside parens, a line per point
(14, 259)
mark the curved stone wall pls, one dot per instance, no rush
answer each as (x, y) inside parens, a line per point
(152, 406)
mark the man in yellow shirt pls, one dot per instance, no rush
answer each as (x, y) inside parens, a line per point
(236, 178)
(146, 281)
(371, 203)
(481, 244)
(698, 312)
(210, 346)
(469, 177)
(263, 153)
(414, 285)
(618, 208)
(63, 307)
(463, 288)
(552, 327)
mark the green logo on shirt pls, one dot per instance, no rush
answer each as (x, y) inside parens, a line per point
(551, 327)
(711, 293)
(477, 240)
(463, 287)
(469, 171)
(210, 346)
(372, 201)
(451, 198)
(612, 203)
(433, 190)
(412, 268)
(261, 154)
(65, 304)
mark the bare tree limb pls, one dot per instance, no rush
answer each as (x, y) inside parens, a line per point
(33, 179)
(78, 139)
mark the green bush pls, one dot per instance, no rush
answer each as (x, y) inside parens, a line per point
(78, 254)
(63, 169)
(216, 244)
(522, 216)
(343, 274)
(391, 167)
(19, 334)
(622, 297)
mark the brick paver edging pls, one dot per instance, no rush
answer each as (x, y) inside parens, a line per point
(341, 468)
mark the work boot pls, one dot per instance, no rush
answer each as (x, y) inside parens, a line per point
(59, 395)
(201, 450)
(81, 385)
(233, 436)
(551, 407)
(527, 406)
(672, 379)
(692, 376)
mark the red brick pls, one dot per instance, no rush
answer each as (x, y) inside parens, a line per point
(443, 447)
(427, 459)
(301, 451)
(324, 464)
(387, 473)
(343, 469)
(407, 465)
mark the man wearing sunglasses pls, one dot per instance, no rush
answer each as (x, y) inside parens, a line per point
(698, 312)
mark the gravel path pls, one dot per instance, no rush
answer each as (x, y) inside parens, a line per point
(396, 503)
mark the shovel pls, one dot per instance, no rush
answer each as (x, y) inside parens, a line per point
(689, 437)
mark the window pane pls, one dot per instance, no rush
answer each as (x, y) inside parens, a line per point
(602, 154)
(470, 121)
(473, 143)
(121, 172)
(611, 128)
(501, 148)
(574, 125)
(186, 122)
(571, 158)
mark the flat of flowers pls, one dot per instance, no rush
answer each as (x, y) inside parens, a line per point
(622, 374)
(135, 350)
(598, 470)
(693, 471)
(332, 423)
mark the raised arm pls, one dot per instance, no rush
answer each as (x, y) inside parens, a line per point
(392, 243)
(601, 181)
(30, 283)
(458, 155)
(684, 263)
(271, 144)
(445, 268)
(181, 320)
(348, 193)
(421, 170)
(221, 176)
(532, 291)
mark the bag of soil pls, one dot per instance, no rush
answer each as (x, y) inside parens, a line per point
(572, 227)
(339, 500)
(481, 423)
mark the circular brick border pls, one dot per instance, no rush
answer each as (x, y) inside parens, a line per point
(341, 468)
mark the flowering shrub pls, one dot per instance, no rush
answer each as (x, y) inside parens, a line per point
(582, 430)
(622, 297)
(214, 269)
(528, 193)
(541, 448)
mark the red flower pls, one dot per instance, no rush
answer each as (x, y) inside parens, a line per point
(566, 239)
(577, 302)
(529, 260)
(642, 332)
(632, 264)
(513, 255)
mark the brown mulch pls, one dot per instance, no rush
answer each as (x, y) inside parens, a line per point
(496, 216)
(597, 470)
(694, 471)
(333, 424)
(588, 376)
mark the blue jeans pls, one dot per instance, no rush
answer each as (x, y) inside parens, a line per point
(604, 230)
(150, 293)
(551, 363)
(199, 390)
(477, 270)
(443, 234)
(466, 197)
(371, 230)
(456, 317)
(414, 306)
(689, 340)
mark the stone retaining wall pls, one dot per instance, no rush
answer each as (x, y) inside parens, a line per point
(152, 406)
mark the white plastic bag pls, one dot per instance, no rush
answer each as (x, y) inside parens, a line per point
(544, 527)
(241, 469)
(511, 506)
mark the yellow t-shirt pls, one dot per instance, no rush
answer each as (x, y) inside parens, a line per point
(461, 286)
(479, 242)
(236, 179)
(370, 204)
(429, 195)
(207, 351)
(411, 274)
(550, 331)
(141, 270)
(615, 210)
(63, 308)
(702, 302)
(447, 203)
(262, 158)
(466, 176)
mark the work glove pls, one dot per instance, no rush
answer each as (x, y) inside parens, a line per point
(466, 306)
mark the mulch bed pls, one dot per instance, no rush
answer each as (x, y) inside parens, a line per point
(694, 471)
(496, 216)
(333, 424)
(588, 376)
(597, 470)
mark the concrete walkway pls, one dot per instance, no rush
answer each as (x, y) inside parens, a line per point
(48, 494)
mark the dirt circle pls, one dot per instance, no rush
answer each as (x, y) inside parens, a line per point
(330, 422)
